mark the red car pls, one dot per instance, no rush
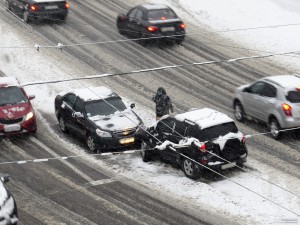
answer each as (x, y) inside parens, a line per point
(16, 112)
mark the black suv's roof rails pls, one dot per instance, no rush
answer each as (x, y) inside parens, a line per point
(189, 122)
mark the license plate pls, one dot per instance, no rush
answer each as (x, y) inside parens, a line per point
(229, 165)
(126, 141)
(51, 7)
(166, 29)
(12, 128)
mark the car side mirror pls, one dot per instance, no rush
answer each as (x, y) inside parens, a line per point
(77, 115)
(30, 97)
(5, 178)
(132, 105)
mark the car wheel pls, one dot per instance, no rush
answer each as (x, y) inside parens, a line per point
(142, 40)
(275, 129)
(145, 153)
(90, 142)
(190, 169)
(26, 16)
(120, 29)
(239, 112)
(7, 5)
(62, 125)
(179, 41)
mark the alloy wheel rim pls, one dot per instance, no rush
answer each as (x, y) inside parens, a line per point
(238, 112)
(90, 143)
(25, 16)
(274, 129)
(188, 167)
(62, 124)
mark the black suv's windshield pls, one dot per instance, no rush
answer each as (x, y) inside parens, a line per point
(160, 14)
(11, 95)
(211, 133)
(104, 108)
(293, 96)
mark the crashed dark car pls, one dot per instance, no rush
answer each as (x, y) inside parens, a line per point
(151, 21)
(8, 206)
(99, 117)
(196, 140)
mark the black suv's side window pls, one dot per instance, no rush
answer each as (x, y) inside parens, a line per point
(139, 15)
(180, 129)
(257, 88)
(166, 125)
(78, 106)
(132, 13)
(70, 99)
(269, 91)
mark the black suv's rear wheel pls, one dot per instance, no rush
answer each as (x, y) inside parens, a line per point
(146, 155)
(275, 129)
(190, 169)
(239, 111)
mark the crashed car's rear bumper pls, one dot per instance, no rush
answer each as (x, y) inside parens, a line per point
(224, 165)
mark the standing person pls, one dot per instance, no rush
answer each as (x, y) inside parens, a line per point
(163, 103)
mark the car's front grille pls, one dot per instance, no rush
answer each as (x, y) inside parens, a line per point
(233, 149)
(11, 121)
(123, 133)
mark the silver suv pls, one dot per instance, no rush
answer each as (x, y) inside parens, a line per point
(274, 100)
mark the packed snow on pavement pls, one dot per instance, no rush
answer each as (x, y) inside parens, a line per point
(223, 196)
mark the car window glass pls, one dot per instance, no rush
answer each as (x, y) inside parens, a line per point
(166, 125)
(257, 88)
(180, 128)
(293, 96)
(132, 13)
(269, 91)
(214, 132)
(104, 108)
(11, 95)
(139, 15)
(70, 99)
(78, 106)
(161, 14)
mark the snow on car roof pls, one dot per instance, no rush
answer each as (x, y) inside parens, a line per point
(286, 81)
(94, 93)
(155, 6)
(205, 117)
(8, 81)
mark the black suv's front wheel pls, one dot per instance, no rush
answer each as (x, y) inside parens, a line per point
(145, 153)
(190, 169)
(90, 142)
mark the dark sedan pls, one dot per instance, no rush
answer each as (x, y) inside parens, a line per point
(38, 9)
(99, 116)
(154, 21)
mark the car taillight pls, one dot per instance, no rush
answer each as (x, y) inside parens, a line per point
(162, 18)
(33, 8)
(67, 6)
(243, 139)
(287, 109)
(182, 26)
(152, 28)
(202, 148)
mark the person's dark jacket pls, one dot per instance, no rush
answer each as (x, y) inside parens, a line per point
(163, 102)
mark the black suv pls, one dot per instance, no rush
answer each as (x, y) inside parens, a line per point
(204, 135)
(99, 116)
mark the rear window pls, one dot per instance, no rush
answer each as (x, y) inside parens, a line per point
(161, 14)
(293, 96)
(216, 131)
(104, 108)
(11, 96)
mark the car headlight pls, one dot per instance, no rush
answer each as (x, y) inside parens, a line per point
(102, 133)
(29, 116)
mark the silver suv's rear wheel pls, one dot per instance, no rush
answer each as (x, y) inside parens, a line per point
(275, 129)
